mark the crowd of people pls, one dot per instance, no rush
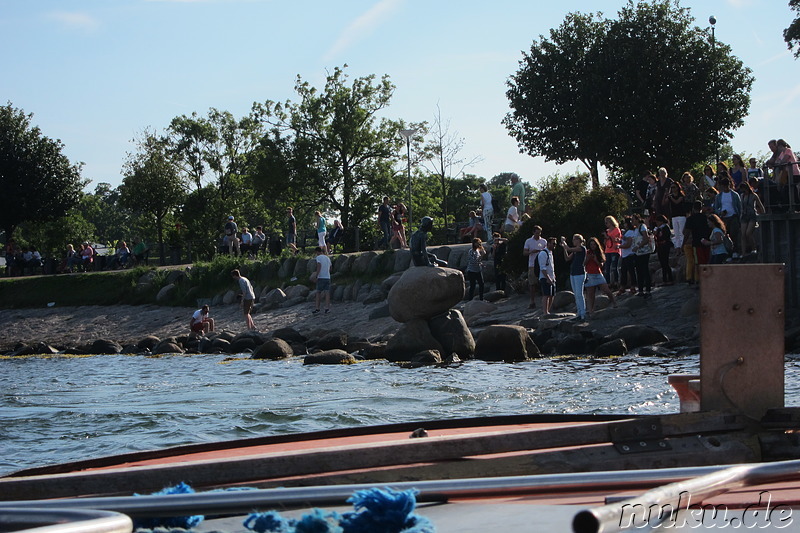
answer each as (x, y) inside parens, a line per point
(22, 260)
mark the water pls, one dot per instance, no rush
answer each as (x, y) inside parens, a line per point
(68, 408)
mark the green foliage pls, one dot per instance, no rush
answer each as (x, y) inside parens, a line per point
(37, 181)
(565, 206)
(792, 34)
(100, 288)
(336, 155)
(588, 92)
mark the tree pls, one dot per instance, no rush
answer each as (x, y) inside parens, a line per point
(152, 184)
(444, 158)
(634, 93)
(792, 34)
(332, 145)
(37, 181)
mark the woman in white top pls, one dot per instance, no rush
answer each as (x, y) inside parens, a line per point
(512, 217)
(487, 209)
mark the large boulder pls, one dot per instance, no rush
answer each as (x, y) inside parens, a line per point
(287, 267)
(273, 349)
(167, 346)
(36, 348)
(562, 301)
(612, 348)
(301, 269)
(424, 292)
(293, 291)
(274, 297)
(334, 340)
(342, 264)
(478, 307)
(505, 343)
(148, 343)
(361, 263)
(166, 293)
(105, 346)
(451, 330)
(636, 335)
(412, 337)
(290, 335)
(229, 298)
(402, 260)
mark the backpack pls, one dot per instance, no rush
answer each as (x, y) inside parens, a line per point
(728, 243)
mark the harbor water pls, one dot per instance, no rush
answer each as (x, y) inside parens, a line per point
(56, 409)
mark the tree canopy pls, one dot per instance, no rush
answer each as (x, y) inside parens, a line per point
(37, 181)
(636, 92)
(792, 34)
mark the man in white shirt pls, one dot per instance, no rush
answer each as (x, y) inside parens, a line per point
(532, 247)
(248, 297)
(323, 280)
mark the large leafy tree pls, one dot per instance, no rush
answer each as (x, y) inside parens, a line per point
(330, 146)
(647, 89)
(792, 34)
(37, 181)
(152, 184)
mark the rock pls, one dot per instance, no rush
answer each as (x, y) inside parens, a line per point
(148, 343)
(274, 297)
(104, 346)
(205, 345)
(691, 307)
(176, 276)
(654, 351)
(633, 303)
(290, 335)
(374, 296)
(295, 291)
(273, 349)
(457, 257)
(221, 345)
(242, 345)
(427, 357)
(301, 269)
(330, 357)
(563, 300)
(224, 334)
(388, 283)
(167, 347)
(229, 298)
(424, 292)
(145, 282)
(374, 351)
(442, 252)
(342, 264)
(477, 307)
(412, 337)
(382, 311)
(361, 263)
(637, 335)
(505, 343)
(287, 268)
(612, 348)
(494, 296)
(257, 338)
(166, 293)
(574, 344)
(402, 260)
(293, 301)
(610, 313)
(335, 340)
(36, 348)
(451, 331)
(337, 293)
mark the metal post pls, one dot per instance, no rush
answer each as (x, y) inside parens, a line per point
(713, 21)
(410, 202)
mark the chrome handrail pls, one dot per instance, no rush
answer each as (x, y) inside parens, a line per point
(38, 520)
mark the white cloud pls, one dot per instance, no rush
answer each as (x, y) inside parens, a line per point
(75, 20)
(362, 27)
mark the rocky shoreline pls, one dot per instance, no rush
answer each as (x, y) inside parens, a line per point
(501, 327)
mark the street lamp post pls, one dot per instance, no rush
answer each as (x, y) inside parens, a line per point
(713, 21)
(407, 134)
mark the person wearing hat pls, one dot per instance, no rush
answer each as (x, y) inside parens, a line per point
(231, 239)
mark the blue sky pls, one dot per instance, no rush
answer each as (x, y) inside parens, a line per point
(95, 73)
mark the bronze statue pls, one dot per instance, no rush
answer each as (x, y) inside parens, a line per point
(419, 242)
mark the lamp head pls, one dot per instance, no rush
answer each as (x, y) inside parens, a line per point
(712, 20)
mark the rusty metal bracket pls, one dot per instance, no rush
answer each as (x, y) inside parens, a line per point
(644, 445)
(635, 430)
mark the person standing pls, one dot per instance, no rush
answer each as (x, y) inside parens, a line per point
(642, 247)
(323, 280)
(247, 242)
(512, 217)
(322, 231)
(728, 207)
(612, 239)
(577, 271)
(248, 297)
(487, 209)
(231, 239)
(475, 268)
(385, 222)
(547, 275)
(498, 251)
(695, 251)
(531, 249)
(518, 190)
(291, 231)
(201, 322)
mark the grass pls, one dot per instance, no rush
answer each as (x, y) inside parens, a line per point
(101, 288)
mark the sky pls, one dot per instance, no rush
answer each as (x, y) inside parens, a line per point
(96, 73)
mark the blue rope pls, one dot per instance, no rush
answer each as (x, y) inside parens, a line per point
(177, 522)
(376, 511)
